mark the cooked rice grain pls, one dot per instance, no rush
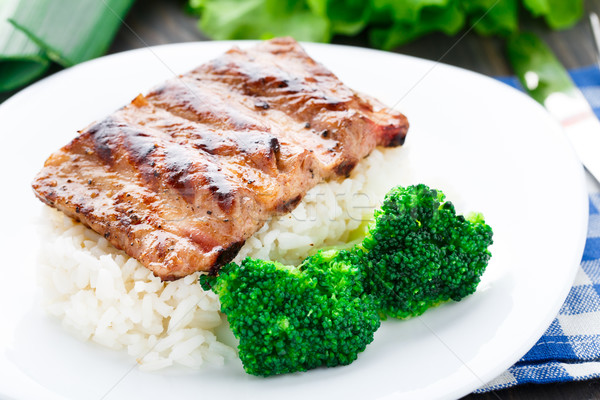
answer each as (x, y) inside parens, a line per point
(103, 295)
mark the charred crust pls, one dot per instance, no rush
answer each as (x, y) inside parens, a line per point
(225, 256)
(396, 141)
(275, 150)
(289, 205)
(274, 145)
(394, 135)
(345, 167)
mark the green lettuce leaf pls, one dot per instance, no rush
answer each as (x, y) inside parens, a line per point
(416, 18)
(262, 19)
(389, 23)
(558, 14)
(493, 17)
(346, 17)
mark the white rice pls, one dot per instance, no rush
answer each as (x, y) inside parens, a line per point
(103, 295)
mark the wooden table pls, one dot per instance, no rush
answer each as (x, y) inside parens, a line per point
(153, 22)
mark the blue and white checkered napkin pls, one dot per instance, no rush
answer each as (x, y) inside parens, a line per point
(570, 348)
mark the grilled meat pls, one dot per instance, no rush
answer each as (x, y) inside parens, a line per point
(181, 177)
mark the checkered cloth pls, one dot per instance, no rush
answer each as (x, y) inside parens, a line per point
(570, 348)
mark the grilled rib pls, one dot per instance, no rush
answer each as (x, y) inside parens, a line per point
(181, 177)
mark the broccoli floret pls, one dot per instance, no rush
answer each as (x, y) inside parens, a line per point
(419, 252)
(291, 318)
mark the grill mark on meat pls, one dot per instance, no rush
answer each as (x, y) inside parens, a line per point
(211, 144)
(220, 187)
(181, 178)
(139, 144)
(308, 96)
(270, 82)
(201, 105)
(185, 174)
(207, 171)
(245, 106)
(257, 147)
(186, 171)
(179, 167)
(107, 135)
(102, 134)
(295, 136)
(140, 147)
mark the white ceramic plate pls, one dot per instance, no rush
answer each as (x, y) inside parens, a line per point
(489, 147)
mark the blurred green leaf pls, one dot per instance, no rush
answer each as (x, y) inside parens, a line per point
(71, 31)
(262, 19)
(408, 11)
(493, 17)
(21, 61)
(347, 17)
(536, 66)
(558, 14)
(417, 18)
(389, 23)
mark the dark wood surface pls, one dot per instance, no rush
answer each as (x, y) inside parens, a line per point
(154, 22)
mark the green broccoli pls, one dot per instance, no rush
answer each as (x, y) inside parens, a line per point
(291, 318)
(419, 252)
(416, 254)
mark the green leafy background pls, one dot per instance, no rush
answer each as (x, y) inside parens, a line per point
(389, 23)
(38, 34)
